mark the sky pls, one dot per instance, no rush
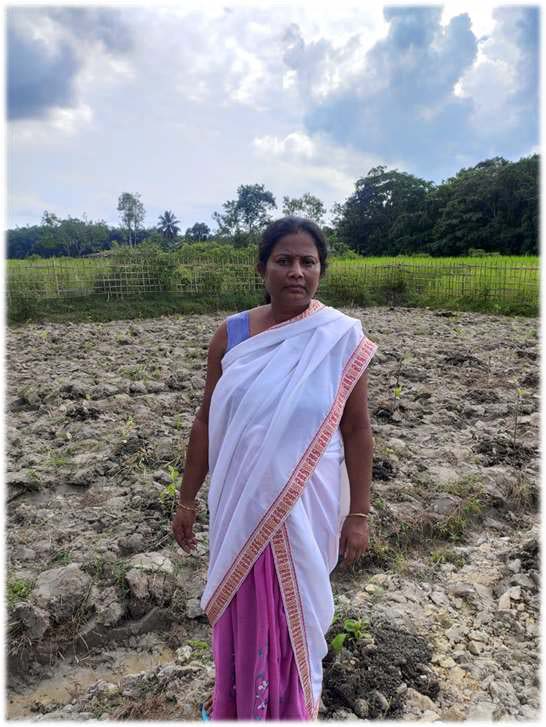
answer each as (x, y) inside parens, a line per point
(184, 103)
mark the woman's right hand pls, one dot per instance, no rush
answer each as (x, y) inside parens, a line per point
(182, 527)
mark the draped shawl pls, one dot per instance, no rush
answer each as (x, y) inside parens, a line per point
(277, 470)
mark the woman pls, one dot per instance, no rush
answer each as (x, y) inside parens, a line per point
(284, 420)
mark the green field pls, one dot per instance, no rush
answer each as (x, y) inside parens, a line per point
(225, 278)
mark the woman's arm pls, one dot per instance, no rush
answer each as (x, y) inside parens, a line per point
(197, 454)
(358, 443)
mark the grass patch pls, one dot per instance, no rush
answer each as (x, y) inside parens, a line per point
(18, 589)
(445, 554)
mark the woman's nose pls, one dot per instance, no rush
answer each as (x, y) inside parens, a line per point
(296, 270)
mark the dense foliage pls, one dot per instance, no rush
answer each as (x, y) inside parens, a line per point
(491, 207)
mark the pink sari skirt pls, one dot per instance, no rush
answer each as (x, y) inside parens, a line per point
(256, 673)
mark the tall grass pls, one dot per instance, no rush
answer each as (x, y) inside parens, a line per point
(226, 278)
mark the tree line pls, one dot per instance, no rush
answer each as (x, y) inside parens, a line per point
(492, 206)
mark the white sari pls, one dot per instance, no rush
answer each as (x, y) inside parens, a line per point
(277, 470)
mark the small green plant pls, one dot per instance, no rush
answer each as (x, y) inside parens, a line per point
(55, 459)
(18, 589)
(198, 644)
(168, 494)
(353, 630)
(447, 555)
(127, 427)
(62, 557)
(119, 570)
(379, 503)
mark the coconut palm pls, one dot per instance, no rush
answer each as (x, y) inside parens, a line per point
(168, 225)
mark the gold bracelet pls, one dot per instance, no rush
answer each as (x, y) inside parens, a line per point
(358, 514)
(188, 507)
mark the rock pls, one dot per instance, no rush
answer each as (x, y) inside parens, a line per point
(193, 608)
(444, 503)
(61, 591)
(523, 580)
(183, 654)
(475, 647)
(482, 712)
(133, 543)
(439, 598)
(503, 603)
(83, 477)
(137, 387)
(103, 391)
(170, 672)
(132, 685)
(24, 553)
(429, 715)
(461, 590)
(514, 565)
(479, 636)
(103, 688)
(453, 714)
(344, 715)
(416, 702)
(447, 662)
(361, 708)
(109, 607)
(33, 618)
(528, 713)
(455, 633)
(152, 563)
(515, 593)
(457, 676)
(382, 701)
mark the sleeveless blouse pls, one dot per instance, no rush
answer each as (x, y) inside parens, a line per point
(238, 328)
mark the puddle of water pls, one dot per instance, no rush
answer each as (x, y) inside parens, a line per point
(70, 680)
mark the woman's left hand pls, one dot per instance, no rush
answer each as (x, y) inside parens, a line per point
(354, 539)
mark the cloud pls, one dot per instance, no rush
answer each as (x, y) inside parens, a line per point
(418, 95)
(311, 164)
(47, 50)
(503, 84)
(38, 79)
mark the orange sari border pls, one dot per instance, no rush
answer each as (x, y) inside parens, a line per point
(280, 509)
(288, 583)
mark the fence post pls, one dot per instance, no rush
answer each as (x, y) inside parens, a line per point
(56, 278)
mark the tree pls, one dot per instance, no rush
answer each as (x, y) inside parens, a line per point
(248, 213)
(168, 225)
(307, 206)
(132, 213)
(366, 221)
(198, 232)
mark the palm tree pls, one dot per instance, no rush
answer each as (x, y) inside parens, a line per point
(168, 225)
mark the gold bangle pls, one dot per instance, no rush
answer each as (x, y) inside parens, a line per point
(358, 514)
(188, 507)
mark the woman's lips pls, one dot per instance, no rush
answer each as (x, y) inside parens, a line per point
(295, 287)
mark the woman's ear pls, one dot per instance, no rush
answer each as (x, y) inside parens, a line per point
(260, 269)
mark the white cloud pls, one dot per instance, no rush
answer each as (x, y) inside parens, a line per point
(297, 144)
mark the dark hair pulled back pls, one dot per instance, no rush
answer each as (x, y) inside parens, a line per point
(288, 226)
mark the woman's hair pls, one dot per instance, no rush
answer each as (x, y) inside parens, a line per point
(288, 226)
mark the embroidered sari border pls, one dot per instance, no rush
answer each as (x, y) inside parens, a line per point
(280, 508)
(294, 611)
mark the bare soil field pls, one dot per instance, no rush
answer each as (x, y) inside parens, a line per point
(104, 614)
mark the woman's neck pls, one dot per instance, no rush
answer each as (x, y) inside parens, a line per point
(279, 314)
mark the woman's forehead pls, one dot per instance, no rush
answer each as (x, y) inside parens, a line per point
(296, 244)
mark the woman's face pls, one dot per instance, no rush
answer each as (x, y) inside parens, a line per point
(292, 272)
